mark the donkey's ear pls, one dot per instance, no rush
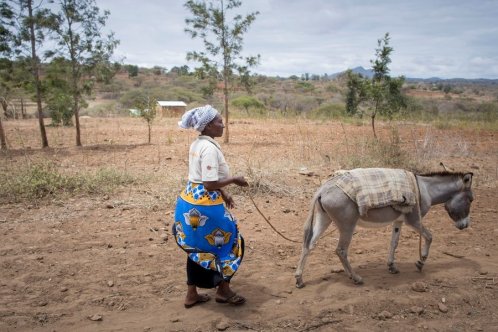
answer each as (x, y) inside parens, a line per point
(467, 180)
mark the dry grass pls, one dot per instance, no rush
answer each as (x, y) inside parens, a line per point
(43, 179)
(271, 153)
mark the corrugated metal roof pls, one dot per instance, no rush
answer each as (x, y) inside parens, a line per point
(171, 103)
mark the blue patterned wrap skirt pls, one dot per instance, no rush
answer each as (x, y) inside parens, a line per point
(207, 231)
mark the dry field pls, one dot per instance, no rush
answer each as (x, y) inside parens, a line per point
(108, 262)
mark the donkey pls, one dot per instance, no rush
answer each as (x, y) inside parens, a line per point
(330, 203)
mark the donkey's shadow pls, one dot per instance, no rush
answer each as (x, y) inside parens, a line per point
(377, 275)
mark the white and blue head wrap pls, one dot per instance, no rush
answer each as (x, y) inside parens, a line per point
(198, 117)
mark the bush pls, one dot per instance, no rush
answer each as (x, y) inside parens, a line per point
(329, 111)
(44, 180)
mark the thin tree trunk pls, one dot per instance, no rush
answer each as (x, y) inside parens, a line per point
(225, 93)
(3, 141)
(23, 109)
(373, 125)
(77, 123)
(148, 124)
(75, 81)
(373, 117)
(225, 73)
(76, 106)
(36, 74)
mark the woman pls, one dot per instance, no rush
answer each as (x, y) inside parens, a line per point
(203, 227)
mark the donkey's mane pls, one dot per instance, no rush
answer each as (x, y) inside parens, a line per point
(443, 173)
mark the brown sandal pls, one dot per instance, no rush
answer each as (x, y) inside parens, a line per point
(201, 299)
(233, 300)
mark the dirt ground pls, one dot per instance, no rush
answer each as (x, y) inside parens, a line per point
(110, 263)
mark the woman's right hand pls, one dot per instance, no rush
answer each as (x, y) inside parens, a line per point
(240, 181)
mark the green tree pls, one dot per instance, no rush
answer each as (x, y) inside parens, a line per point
(356, 92)
(58, 92)
(16, 81)
(385, 91)
(34, 23)
(79, 25)
(247, 102)
(132, 70)
(211, 81)
(6, 26)
(147, 110)
(180, 71)
(6, 84)
(6, 35)
(382, 93)
(222, 36)
(105, 71)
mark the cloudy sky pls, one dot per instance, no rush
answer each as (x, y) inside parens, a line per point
(431, 38)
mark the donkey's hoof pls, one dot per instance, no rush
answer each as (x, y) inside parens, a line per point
(299, 283)
(393, 269)
(357, 280)
(419, 265)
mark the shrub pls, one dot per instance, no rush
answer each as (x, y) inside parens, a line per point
(44, 180)
(328, 111)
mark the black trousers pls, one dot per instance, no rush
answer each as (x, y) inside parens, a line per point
(204, 278)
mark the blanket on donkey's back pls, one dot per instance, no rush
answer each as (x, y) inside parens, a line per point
(378, 187)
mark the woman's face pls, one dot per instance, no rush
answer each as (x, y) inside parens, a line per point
(215, 127)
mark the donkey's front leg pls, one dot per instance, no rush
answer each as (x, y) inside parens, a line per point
(394, 244)
(342, 252)
(424, 250)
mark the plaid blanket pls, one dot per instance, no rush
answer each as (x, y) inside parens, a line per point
(378, 187)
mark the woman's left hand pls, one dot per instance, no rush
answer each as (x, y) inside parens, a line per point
(228, 200)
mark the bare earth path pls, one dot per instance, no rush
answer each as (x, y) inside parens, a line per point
(109, 262)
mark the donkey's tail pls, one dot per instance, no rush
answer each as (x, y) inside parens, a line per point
(308, 225)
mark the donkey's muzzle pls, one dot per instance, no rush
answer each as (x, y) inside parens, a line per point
(462, 223)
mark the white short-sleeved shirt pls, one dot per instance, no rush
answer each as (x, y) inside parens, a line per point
(206, 161)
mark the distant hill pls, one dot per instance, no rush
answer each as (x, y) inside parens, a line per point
(364, 72)
(369, 73)
(357, 70)
(484, 81)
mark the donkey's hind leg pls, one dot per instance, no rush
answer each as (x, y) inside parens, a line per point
(394, 244)
(312, 232)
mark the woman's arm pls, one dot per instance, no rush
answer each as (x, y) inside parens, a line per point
(216, 185)
(227, 198)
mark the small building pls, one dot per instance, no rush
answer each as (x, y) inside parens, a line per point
(171, 108)
(134, 112)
